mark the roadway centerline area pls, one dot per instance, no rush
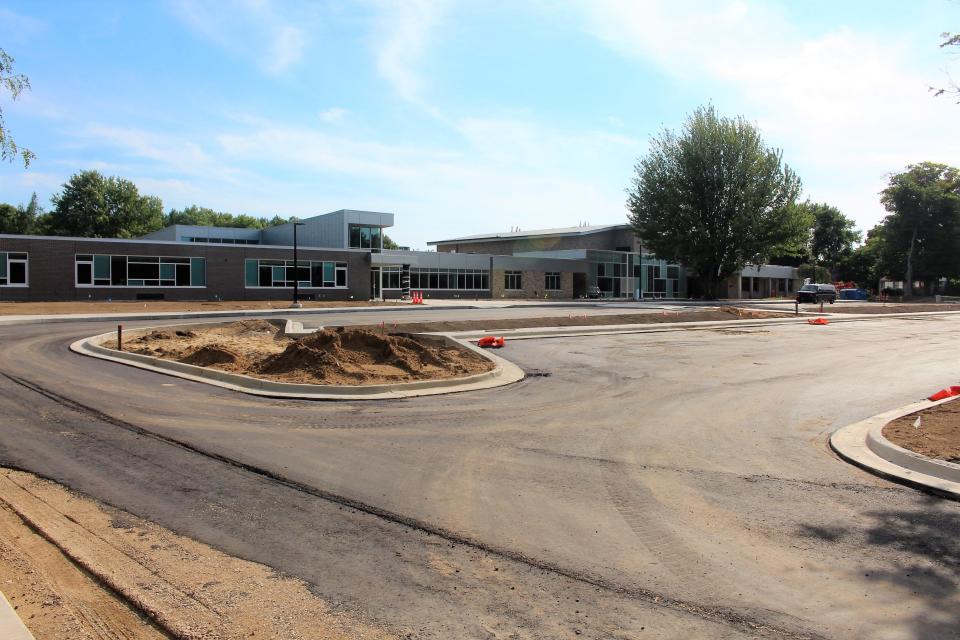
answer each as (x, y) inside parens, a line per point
(662, 485)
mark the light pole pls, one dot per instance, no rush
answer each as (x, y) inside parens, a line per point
(296, 268)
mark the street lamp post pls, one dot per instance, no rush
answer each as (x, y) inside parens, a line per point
(296, 268)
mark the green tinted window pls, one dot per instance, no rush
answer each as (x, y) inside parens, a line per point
(328, 275)
(250, 273)
(168, 271)
(3, 265)
(101, 266)
(198, 272)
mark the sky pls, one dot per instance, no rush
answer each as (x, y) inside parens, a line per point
(465, 117)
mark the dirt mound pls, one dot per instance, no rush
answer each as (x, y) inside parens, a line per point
(214, 354)
(246, 327)
(345, 356)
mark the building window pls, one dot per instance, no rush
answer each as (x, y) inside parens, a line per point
(139, 271)
(13, 270)
(512, 280)
(552, 281)
(390, 277)
(308, 274)
(218, 240)
(457, 279)
(362, 237)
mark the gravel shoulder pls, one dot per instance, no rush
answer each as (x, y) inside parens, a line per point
(57, 599)
(94, 307)
(936, 435)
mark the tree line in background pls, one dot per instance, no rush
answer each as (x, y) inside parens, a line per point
(715, 198)
(91, 205)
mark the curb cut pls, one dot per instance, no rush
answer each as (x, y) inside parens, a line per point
(504, 372)
(11, 626)
(863, 445)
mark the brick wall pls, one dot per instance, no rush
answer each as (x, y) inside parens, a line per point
(534, 285)
(52, 271)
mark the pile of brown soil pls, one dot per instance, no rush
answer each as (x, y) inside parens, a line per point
(338, 357)
(938, 435)
(347, 356)
(569, 320)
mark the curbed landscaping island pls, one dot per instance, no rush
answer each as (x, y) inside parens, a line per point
(342, 356)
(937, 436)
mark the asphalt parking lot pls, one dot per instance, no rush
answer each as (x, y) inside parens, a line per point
(660, 485)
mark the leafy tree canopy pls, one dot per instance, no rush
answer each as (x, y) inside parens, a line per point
(23, 219)
(832, 236)
(15, 84)
(715, 198)
(203, 216)
(93, 206)
(815, 272)
(388, 243)
(921, 235)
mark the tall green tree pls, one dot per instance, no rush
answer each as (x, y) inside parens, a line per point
(22, 219)
(715, 198)
(15, 84)
(93, 206)
(832, 236)
(924, 222)
(204, 216)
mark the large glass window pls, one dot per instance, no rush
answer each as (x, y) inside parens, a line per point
(390, 277)
(308, 274)
(139, 271)
(552, 281)
(456, 279)
(512, 280)
(364, 237)
(13, 269)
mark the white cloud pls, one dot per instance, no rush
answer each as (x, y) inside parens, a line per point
(247, 28)
(847, 107)
(403, 33)
(333, 114)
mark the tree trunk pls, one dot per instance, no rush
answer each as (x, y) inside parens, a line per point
(908, 278)
(710, 286)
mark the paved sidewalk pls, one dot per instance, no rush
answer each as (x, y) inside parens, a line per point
(11, 627)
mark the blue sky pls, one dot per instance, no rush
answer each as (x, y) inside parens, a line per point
(464, 117)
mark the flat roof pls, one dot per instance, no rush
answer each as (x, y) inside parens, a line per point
(512, 235)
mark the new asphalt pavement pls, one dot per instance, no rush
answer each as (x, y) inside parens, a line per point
(668, 485)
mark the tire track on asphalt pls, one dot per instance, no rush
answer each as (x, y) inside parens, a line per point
(747, 623)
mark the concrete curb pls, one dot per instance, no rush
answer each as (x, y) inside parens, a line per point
(134, 582)
(11, 626)
(504, 373)
(863, 445)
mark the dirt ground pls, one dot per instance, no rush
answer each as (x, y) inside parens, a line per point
(58, 600)
(335, 357)
(140, 306)
(571, 320)
(881, 307)
(938, 435)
